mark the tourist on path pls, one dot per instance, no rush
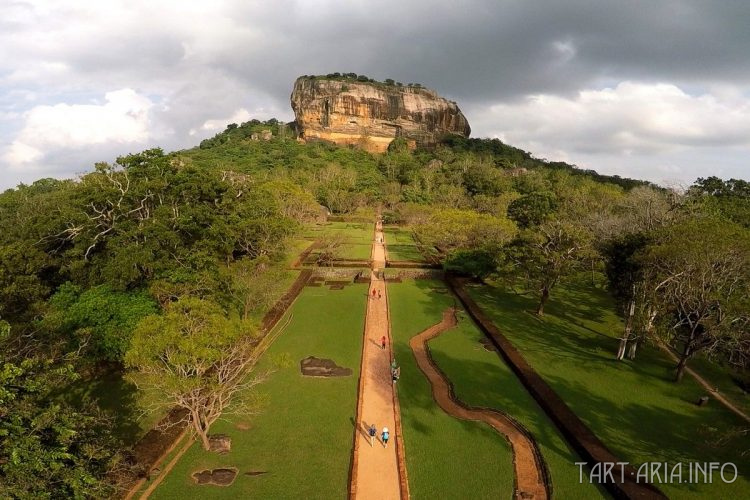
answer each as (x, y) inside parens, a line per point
(373, 293)
(385, 437)
(372, 431)
(382, 342)
(379, 295)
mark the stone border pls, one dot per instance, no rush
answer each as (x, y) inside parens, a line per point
(280, 307)
(519, 449)
(582, 439)
(302, 257)
(399, 435)
(410, 264)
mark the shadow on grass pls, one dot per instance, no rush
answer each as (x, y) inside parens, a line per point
(115, 395)
(633, 407)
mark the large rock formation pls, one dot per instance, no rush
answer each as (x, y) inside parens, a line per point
(371, 115)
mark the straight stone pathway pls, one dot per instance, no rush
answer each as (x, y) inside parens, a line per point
(375, 473)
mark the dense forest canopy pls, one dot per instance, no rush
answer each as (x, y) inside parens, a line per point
(90, 268)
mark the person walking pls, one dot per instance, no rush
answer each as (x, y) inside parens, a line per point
(372, 431)
(382, 342)
(373, 293)
(385, 437)
(380, 296)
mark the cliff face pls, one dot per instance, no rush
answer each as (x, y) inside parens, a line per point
(371, 114)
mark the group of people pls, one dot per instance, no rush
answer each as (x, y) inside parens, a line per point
(395, 371)
(377, 294)
(384, 435)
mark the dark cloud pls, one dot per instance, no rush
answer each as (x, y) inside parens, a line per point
(200, 62)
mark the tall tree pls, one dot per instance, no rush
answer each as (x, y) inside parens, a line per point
(701, 269)
(196, 358)
(548, 253)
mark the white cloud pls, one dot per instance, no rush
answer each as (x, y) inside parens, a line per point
(62, 130)
(216, 125)
(122, 119)
(628, 119)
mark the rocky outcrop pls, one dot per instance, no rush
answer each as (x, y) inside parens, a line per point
(371, 115)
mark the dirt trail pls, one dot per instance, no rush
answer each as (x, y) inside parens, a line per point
(375, 469)
(710, 388)
(529, 471)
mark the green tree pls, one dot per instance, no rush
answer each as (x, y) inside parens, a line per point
(548, 253)
(49, 449)
(99, 321)
(195, 358)
(699, 271)
(532, 209)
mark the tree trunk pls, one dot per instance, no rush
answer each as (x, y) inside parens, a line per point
(200, 430)
(647, 334)
(545, 296)
(626, 333)
(681, 365)
(633, 349)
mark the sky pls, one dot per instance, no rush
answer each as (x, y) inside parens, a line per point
(649, 89)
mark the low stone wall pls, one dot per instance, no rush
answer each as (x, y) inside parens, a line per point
(279, 308)
(410, 264)
(415, 274)
(591, 449)
(341, 273)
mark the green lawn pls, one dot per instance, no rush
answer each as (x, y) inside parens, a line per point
(634, 407)
(358, 237)
(398, 235)
(481, 378)
(353, 232)
(303, 437)
(401, 245)
(445, 457)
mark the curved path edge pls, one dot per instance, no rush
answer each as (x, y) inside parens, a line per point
(580, 437)
(531, 478)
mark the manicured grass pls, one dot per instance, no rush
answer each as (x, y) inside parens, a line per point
(353, 232)
(398, 235)
(358, 238)
(445, 457)
(401, 245)
(634, 407)
(355, 251)
(481, 378)
(303, 437)
(404, 252)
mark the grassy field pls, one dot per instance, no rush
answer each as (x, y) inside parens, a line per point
(445, 457)
(401, 245)
(634, 407)
(353, 232)
(303, 437)
(357, 237)
(481, 378)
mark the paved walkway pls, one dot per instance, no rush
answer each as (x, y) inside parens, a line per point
(530, 478)
(375, 473)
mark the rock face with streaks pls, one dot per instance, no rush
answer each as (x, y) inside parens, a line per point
(372, 114)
